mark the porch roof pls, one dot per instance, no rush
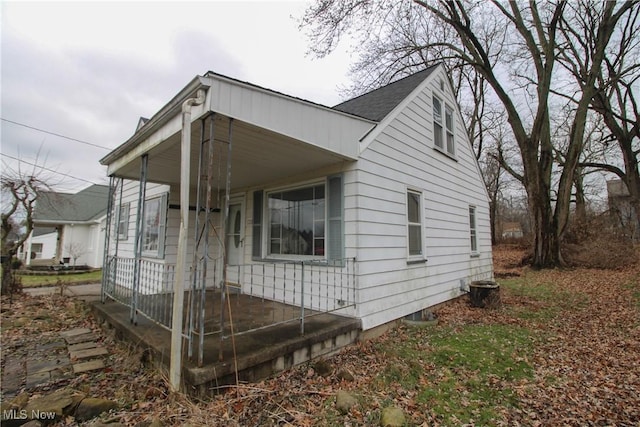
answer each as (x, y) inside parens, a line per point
(274, 135)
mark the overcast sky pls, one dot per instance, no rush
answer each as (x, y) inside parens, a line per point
(89, 70)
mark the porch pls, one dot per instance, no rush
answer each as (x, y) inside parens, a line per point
(255, 354)
(261, 319)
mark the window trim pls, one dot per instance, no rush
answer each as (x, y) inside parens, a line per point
(123, 236)
(162, 227)
(473, 230)
(419, 256)
(437, 120)
(449, 131)
(266, 223)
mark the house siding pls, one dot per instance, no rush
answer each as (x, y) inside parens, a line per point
(402, 157)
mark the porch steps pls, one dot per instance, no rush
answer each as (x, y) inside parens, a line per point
(260, 353)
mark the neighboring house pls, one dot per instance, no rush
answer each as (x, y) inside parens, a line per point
(621, 209)
(376, 205)
(69, 228)
(512, 230)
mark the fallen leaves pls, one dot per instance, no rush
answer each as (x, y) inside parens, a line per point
(584, 325)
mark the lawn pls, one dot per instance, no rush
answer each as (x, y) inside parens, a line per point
(35, 281)
(564, 349)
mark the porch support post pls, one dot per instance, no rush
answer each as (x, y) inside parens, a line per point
(107, 238)
(137, 246)
(225, 219)
(302, 299)
(196, 238)
(175, 366)
(205, 255)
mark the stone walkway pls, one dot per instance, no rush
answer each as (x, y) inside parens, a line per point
(75, 352)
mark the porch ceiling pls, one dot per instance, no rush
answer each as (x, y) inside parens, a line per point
(258, 156)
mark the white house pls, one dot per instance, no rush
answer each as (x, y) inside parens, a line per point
(69, 228)
(373, 209)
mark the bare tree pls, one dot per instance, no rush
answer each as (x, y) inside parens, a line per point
(76, 250)
(20, 190)
(514, 47)
(616, 99)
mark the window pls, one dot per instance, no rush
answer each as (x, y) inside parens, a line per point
(123, 221)
(36, 250)
(448, 118)
(437, 123)
(440, 134)
(472, 229)
(414, 223)
(297, 220)
(305, 221)
(154, 226)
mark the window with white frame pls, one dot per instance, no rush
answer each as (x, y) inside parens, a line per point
(448, 119)
(36, 250)
(154, 226)
(123, 221)
(303, 221)
(297, 221)
(437, 123)
(414, 223)
(473, 229)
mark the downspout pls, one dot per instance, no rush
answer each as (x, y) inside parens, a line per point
(175, 367)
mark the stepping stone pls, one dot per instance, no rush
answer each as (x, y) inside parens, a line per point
(51, 346)
(37, 366)
(82, 338)
(74, 332)
(92, 365)
(38, 378)
(83, 346)
(90, 352)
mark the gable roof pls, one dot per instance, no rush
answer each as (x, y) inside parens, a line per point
(86, 205)
(375, 105)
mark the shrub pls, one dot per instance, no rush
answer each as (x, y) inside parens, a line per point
(593, 243)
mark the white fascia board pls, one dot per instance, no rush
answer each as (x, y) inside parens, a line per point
(296, 118)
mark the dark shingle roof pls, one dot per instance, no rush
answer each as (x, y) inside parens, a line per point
(86, 205)
(375, 105)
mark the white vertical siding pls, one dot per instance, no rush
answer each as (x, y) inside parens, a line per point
(401, 157)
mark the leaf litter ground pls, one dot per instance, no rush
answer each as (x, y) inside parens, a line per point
(564, 349)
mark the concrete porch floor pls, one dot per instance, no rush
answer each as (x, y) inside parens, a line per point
(259, 353)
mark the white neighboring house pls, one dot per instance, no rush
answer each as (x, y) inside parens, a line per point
(69, 228)
(384, 187)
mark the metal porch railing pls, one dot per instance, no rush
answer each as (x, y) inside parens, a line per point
(256, 296)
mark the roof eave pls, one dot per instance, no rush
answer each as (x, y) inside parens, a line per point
(172, 108)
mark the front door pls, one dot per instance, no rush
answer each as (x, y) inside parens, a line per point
(235, 242)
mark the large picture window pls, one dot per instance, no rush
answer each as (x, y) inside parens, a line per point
(297, 221)
(154, 226)
(414, 223)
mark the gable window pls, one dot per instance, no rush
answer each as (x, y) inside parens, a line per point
(414, 223)
(297, 219)
(123, 221)
(473, 230)
(154, 227)
(437, 123)
(448, 118)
